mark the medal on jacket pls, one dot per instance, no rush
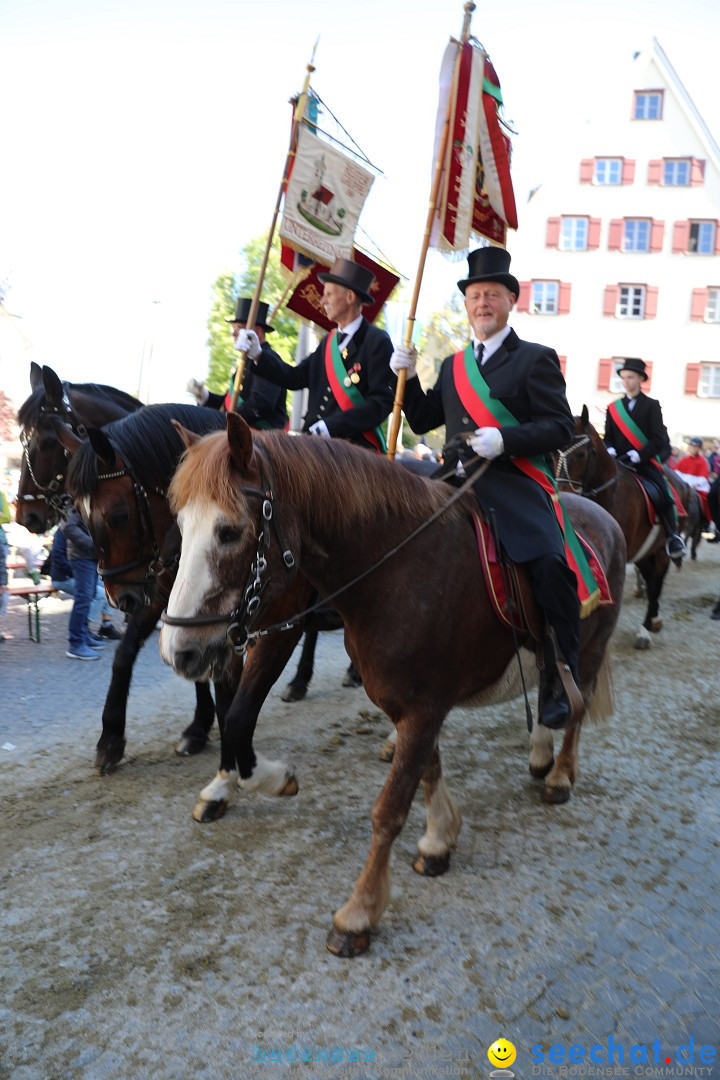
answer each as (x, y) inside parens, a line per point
(353, 374)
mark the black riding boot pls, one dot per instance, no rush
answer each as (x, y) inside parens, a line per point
(555, 591)
(674, 545)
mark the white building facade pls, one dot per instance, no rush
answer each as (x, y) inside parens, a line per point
(623, 244)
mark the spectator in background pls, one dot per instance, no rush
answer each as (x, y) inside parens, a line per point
(4, 519)
(62, 577)
(82, 644)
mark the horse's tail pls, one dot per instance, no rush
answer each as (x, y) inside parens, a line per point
(602, 703)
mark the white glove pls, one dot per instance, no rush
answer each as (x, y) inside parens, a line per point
(319, 428)
(198, 390)
(248, 342)
(634, 457)
(611, 451)
(487, 442)
(404, 359)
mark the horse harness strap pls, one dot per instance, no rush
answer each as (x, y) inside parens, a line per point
(579, 487)
(52, 493)
(157, 565)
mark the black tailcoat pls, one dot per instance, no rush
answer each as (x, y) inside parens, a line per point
(528, 381)
(263, 403)
(370, 348)
(647, 414)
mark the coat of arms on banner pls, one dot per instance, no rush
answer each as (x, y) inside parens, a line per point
(324, 197)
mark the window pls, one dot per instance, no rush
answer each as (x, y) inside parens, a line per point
(676, 172)
(702, 237)
(648, 105)
(608, 171)
(545, 297)
(574, 234)
(636, 236)
(709, 384)
(712, 310)
(631, 302)
(616, 383)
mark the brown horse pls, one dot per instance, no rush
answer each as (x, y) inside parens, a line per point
(420, 629)
(585, 468)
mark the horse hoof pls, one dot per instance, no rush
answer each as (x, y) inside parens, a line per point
(388, 752)
(107, 758)
(188, 746)
(346, 945)
(642, 643)
(213, 810)
(656, 626)
(432, 865)
(539, 772)
(291, 786)
(556, 796)
(293, 692)
(351, 678)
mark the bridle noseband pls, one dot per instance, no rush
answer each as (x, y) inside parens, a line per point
(580, 487)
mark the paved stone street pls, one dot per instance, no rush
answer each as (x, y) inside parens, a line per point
(137, 943)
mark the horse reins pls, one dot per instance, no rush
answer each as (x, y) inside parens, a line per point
(238, 618)
(578, 487)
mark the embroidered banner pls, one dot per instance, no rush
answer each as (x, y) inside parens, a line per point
(306, 300)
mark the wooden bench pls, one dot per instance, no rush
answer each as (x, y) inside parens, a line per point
(33, 594)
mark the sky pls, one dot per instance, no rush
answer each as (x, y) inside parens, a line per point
(143, 145)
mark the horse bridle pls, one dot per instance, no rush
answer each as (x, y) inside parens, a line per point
(52, 492)
(579, 487)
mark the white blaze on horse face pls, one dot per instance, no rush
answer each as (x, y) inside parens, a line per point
(194, 580)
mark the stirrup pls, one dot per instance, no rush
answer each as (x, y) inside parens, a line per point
(682, 550)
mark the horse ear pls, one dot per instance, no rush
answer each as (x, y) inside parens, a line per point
(239, 441)
(584, 416)
(102, 446)
(65, 435)
(188, 437)
(52, 384)
(36, 379)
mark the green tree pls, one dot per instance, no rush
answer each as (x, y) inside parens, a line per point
(226, 289)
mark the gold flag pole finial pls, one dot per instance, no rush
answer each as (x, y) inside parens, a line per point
(252, 314)
(394, 425)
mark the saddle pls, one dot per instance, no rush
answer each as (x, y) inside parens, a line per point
(653, 498)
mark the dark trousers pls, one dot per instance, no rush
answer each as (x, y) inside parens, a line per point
(554, 587)
(85, 573)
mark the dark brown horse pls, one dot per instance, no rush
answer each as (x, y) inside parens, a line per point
(420, 629)
(585, 468)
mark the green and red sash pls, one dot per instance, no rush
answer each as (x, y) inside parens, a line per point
(347, 397)
(474, 394)
(638, 439)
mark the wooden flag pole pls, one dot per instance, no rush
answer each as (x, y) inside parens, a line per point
(394, 427)
(255, 304)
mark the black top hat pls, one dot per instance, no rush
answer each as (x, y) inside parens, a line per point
(490, 264)
(632, 363)
(242, 310)
(348, 273)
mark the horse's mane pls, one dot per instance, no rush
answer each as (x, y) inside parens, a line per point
(308, 471)
(146, 441)
(30, 410)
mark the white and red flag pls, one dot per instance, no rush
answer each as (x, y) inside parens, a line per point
(476, 193)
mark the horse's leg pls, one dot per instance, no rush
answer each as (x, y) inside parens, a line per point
(542, 756)
(111, 744)
(560, 779)
(238, 761)
(352, 923)
(442, 822)
(195, 736)
(653, 574)
(388, 747)
(297, 688)
(352, 676)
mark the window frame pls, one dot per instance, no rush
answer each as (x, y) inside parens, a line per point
(649, 95)
(712, 305)
(674, 163)
(638, 221)
(638, 292)
(609, 161)
(710, 375)
(574, 220)
(544, 283)
(698, 223)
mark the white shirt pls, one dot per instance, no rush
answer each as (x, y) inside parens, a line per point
(491, 344)
(349, 330)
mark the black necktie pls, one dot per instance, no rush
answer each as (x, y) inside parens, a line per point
(341, 337)
(480, 351)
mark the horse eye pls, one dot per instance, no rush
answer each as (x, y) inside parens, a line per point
(228, 535)
(48, 444)
(118, 521)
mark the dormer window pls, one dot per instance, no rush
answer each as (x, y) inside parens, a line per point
(648, 105)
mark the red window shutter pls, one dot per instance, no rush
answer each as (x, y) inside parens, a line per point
(523, 300)
(605, 373)
(655, 171)
(648, 371)
(615, 234)
(563, 364)
(692, 378)
(564, 298)
(628, 171)
(594, 233)
(610, 299)
(552, 232)
(699, 303)
(681, 237)
(651, 298)
(657, 235)
(697, 173)
(717, 237)
(587, 170)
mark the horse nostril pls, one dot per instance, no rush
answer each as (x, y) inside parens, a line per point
(129, 603)
(188, 662)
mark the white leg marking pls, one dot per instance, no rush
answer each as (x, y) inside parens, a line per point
(541, 746)
(443, 823)
(268, 777)
(221, 787)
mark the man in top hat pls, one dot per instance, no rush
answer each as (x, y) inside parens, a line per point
(508, 396)
(635, 432)
(347, 375)
(260, 403)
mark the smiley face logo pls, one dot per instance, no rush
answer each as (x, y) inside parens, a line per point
(502, 1054)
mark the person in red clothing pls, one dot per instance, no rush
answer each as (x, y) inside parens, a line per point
(695, 471)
